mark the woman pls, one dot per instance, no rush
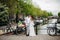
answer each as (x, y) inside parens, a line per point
(31, 27)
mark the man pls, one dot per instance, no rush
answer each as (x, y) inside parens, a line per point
(27, 21)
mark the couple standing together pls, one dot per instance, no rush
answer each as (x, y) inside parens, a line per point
(29, 26)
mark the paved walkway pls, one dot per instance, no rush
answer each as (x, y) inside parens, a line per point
(43, 29)
(23, 37)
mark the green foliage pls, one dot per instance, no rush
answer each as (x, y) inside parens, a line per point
(24, 7)
(50, 14)
(59, 14)
(3, 13)
(27, 8)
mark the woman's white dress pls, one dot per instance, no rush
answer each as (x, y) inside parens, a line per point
(31, 29)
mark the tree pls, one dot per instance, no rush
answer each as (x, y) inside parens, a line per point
(24, 7)
(59, 14)
(11, 4)
(3, 14)
(50, 14)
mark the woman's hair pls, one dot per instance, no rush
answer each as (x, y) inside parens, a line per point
(32, 18)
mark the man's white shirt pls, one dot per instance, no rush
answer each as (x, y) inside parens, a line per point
(27, 20)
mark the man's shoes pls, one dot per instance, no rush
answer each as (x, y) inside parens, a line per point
(27, 35)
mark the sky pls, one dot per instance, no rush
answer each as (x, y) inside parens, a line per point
(48, 5)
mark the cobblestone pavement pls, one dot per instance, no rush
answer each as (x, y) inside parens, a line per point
(23, 37)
